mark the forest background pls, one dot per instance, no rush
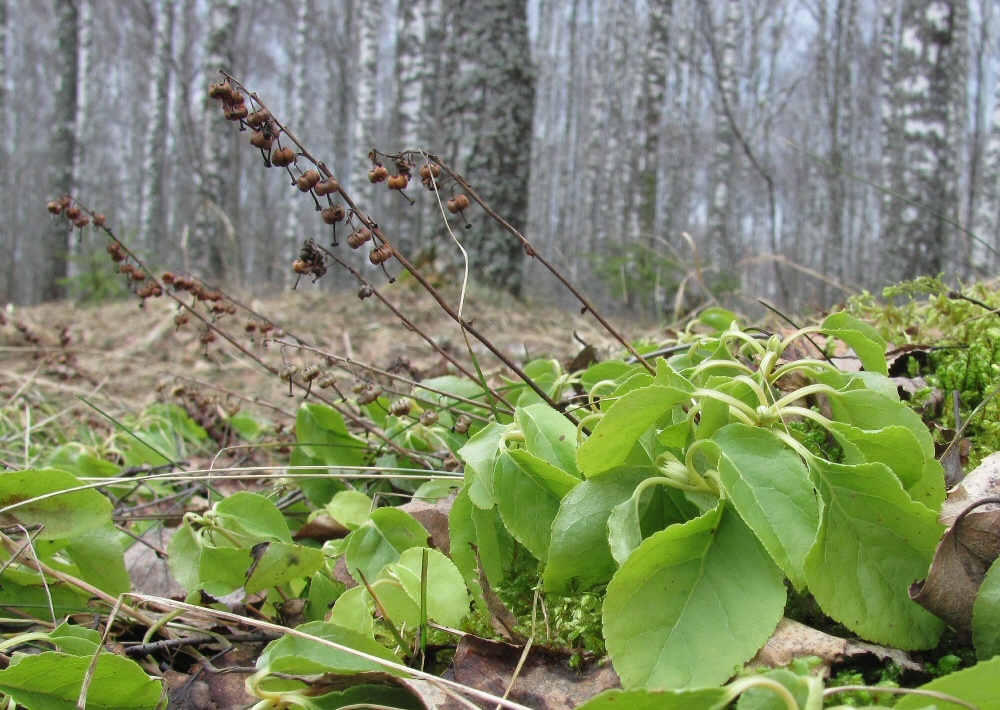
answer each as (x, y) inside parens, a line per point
(791, 150)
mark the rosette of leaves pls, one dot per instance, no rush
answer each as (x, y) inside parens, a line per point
(701, 489)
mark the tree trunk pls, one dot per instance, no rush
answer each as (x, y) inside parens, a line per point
(54, 262)
(213, 223)
(292, 238)
(492, 101)
(152, 212)
(721, 242)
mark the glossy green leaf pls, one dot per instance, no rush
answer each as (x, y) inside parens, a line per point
(497, 549)
(873, 542)
(447, 598)
(480, 455)
(292, 654)
(194, 561)
(863, 339)
(986, 615)
(895, 446)
(253, 517)
(402, 609)
(323, 593)
(718, 318)
(350, 508)
(78, 460)
(549, 436)
(52, 681)
(353, 611)
(381, 540)
(100, 557)
(579, 550)
(60, 516)
(322, 434)
(437, 489)
(770, 487)
(691, 603)
(979, 685)
(625, 530)
(873, 411)
(607, 371)
(277, 563)
(75, 640)
(623, 424)
(528, 492)
(700, 699)
(23, 590)
(318, 487)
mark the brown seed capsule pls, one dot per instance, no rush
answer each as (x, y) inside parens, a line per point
(365, 291)
(400, 407)
(333, 214)
(259, 139)
(326, 381)
(283, 157)
(138, 275)
(327, 187)
(287, 372)
(357, 239)
(100, 219)
(54, 207)
(312, 177)
(301, 267)
(81, 221)
(258, 118)
(73, 213)
(457, 203)
(429, 417)
(427, 170)
(311, 372)
(221, 90)
(462, 424)
(359, 386)
(181, 319)
(378, 174)
(235, 113)
(380, 254)
(370, 394)
(398, 182)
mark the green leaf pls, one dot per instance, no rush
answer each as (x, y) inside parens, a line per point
(979, 685)
(353, 611)
(770, 487)
(400, 606)
(23, 590)
(625, 530)
(549, 436)
(447, 598)
(873, 411)
(75, 640)
(623, 424)
(364, 696)
(323, 592)
(579, 547)
(986, 615)
(381, 540)
(480, 455)
(497, 549)
(60, 516)
(528, 491)
(292, 654)
(803, 688)
(100, 557)
(254, 517)
(607, 371)
(691, 603)
(322, 434)
(195, 561)
(78, 460)
(861, 338)
(873, 542)
(277, 563)
(350, 508)
(52, 681)
(718, 318)
(317, 486)
(895, 446)
(700, 699)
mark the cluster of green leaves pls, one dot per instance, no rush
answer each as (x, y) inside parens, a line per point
(961, 331)
(693, 500)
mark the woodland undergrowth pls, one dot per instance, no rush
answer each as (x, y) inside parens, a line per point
(666, 514)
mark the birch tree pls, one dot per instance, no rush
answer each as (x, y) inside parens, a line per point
(152, 212)
(206, 247)
(930, 82)
(493, 101)
(6, 237)
(54, 261)
(292, 237)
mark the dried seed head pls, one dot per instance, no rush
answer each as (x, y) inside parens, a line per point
(222, 91)
(429, 417)
(364, 291)
(359, 386)
(258, 118)
(312, 177)
(237, 112)
(301, 267)
(326, 381)
(54, 207)
(100, 219)
(262, 140)
(380, 254)
(426, 171)
(283, 157)
(398, 182)
(329, 186)
(457, 203)
(73, 213)
(400, 407)
(81, 221)
(378, 174)
(333, 214)
(181, 319)
(357, 239)
(287, 372)
(462, 424)
(311, 372)
(370, 394)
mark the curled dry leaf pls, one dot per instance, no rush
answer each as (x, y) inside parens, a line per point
(967, 550)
